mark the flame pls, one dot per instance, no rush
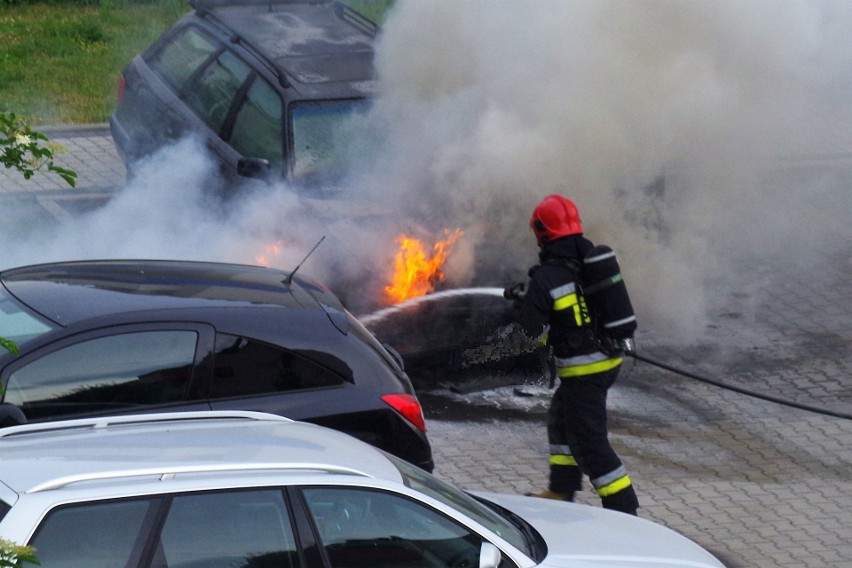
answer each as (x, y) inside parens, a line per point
(271, 250)
(415, 274)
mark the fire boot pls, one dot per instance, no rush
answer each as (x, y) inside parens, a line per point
(548, 494)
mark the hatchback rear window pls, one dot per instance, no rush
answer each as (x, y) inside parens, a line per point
(245, 367)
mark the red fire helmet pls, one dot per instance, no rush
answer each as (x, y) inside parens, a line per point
(555, 217)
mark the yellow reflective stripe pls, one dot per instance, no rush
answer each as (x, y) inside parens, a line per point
(564, 302)
(562, 460)
(577, 360)
(575, 302)
(614, 487)
(590, 369)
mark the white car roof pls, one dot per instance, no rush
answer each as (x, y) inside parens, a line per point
(45, 456)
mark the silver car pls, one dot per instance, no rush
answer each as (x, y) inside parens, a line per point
(251, 490)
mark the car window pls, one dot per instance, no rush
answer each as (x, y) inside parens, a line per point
(16, 324)
(426, 483)
(244, 367)
(257, 131)
(229, 529)
(106, 373)
(213, 91)
(181, 56)
(326, 135)
(99, 535)
(240, 529)
(362, 527)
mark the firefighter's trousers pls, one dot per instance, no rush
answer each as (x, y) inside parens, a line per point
(579, 442)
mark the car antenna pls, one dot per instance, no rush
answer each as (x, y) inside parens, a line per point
(298, 266)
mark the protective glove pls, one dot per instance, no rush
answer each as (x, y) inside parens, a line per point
(627, 345)
(515, 291)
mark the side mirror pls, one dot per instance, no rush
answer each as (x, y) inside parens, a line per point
(11, 415)
(489, 556)
(253, 168)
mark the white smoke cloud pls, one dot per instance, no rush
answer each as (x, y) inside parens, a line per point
(497, 104)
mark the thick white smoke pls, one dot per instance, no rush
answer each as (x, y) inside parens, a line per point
(666, 121)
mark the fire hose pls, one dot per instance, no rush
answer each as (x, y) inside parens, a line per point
(776, 400)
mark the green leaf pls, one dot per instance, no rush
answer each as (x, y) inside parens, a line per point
(10, 346)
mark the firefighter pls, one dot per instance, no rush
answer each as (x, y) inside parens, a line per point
(587, 335)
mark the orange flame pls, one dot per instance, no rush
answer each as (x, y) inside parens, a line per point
(270, 250)
(415, 274)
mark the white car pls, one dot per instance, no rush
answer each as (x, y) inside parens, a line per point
(251, 490)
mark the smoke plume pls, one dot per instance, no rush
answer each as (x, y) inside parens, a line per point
(675, 126)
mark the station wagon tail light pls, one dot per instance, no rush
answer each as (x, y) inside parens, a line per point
(408, 406)
(119, 95)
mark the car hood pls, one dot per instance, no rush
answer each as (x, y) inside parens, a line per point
(579, 536)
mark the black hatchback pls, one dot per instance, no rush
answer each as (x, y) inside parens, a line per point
(273, 88)
(113, 337)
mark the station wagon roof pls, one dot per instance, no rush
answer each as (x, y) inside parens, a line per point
(313, 42)
(44, 457)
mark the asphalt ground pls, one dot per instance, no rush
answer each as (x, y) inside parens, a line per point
(757, 482)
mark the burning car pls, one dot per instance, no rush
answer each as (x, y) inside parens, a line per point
(445, 332)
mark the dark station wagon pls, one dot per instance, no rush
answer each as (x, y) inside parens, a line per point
(115, 337)
(272, 87)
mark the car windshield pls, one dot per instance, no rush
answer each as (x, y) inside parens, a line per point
(430, 485)
(327, 136)
(17, 325)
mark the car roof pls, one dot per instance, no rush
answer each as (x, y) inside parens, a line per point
(313, 42)
(69, 292)
(42, 457)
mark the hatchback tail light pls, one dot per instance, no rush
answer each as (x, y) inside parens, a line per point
(119, 95)
(408, 406)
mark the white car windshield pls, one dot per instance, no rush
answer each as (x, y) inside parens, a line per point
(430, 485)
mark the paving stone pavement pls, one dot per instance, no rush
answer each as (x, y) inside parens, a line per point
(756, 482)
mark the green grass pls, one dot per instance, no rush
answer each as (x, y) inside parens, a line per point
(60, 62)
